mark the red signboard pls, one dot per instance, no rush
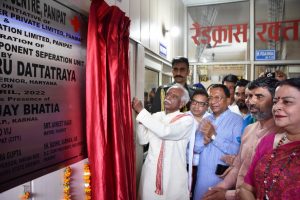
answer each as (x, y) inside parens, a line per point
(266, 31)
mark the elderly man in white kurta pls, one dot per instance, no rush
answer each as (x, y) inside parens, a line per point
(164, 175)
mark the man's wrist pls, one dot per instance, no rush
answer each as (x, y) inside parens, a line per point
(230, 195)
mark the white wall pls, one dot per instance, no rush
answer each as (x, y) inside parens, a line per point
(50, 186)
(147, 17)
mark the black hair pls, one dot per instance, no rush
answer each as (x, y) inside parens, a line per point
(294, 82)
(180, 59)
(230, 78)
(242, 83)
(200, 91)
(225, 89)
(266, 82)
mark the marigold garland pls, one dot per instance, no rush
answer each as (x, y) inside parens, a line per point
(67, 179)
(87, 181)
(25, 196)
(66, 183)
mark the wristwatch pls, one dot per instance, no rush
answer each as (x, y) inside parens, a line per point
(213, 137)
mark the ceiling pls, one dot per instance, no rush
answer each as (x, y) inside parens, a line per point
(205, 2)
(83, 6)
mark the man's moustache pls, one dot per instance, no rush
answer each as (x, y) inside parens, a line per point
(242, 106)
(178, 76)
(240, 103)
(252, 107)
(167, 101)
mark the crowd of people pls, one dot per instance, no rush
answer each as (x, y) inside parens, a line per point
(235, 140)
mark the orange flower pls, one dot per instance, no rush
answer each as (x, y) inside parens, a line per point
(66, 183)
(25, 196)
(87, 181)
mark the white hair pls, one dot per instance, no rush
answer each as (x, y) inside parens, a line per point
(185, 97)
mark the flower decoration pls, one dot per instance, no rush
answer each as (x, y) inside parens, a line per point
(25, 195)
(67, 180)
(87, 181)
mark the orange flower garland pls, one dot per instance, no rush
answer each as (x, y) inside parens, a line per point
(66, 183)
(67, 179)
(87, 181)
(25, 196)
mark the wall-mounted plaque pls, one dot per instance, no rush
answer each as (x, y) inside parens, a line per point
(42, 89)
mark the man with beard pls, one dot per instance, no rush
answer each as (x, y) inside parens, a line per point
(229, 81)
(180, 71)
(240, 104)
(164, 174)
(259, 97)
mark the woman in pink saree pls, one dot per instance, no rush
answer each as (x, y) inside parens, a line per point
(274, 172)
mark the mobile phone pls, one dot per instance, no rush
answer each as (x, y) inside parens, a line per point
(220, 169)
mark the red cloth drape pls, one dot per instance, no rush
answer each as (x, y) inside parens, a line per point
(109, 119)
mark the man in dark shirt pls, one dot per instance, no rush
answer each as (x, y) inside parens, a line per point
(180, 70)
(229, 81)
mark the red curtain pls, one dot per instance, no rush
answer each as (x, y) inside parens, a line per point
(110, 138)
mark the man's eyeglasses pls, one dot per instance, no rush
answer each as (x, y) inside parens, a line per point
(215, 99)
(200, 103)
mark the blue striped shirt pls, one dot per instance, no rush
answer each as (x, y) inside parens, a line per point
(228, 135)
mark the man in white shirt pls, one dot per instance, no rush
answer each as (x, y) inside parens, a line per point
(239, 106)
(164, 175)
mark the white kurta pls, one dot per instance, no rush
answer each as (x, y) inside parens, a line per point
(153, 130)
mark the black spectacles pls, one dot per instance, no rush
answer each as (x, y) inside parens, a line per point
(200, 103)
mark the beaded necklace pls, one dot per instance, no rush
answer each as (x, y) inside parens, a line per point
(276, 176)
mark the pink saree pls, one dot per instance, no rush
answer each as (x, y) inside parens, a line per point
(284, 169)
